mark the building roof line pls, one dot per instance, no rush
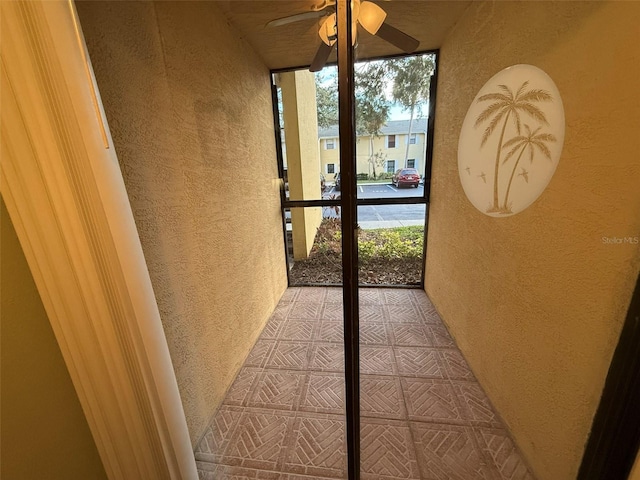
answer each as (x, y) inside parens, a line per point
(392, 127)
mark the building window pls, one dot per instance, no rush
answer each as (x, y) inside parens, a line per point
(391, 141)
(413, 139)
(411, 163)
(329, 144)
(391, 166)
(331, 168)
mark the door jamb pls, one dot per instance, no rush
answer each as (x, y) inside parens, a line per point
(65, 195)
(615, 435)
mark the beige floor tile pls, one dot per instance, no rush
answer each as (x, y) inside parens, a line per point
(374, 334)
(259, 440)
(431, 400)
(387, 450)
(318, 446)
(409, 335)
(323, 392)
(448, 452)
(419, 362)
(423, 415)
(242, 386)
(499, 447)
(277, 389)
(289, 355)
(376, 360)
(381, 397)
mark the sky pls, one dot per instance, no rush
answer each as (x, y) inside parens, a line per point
(397, 112)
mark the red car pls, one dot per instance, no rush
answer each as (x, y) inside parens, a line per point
(406, 177)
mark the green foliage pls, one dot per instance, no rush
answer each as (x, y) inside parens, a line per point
(391, 243)
(362, 176)
(327, 99)
(411, 79)
(372, 105)
(380, 244)
(366, 250)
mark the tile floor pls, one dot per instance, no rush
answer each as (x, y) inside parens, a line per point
(423, 414)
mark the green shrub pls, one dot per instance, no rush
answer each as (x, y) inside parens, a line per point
(379, 244)
(362, 176)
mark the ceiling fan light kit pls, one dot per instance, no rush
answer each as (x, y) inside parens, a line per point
(328, 32)
(372, 18)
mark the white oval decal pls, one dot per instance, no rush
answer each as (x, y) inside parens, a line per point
(511, 140)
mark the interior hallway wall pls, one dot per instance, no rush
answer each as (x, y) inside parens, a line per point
(43, 425)
(536, 301)
(189, 108)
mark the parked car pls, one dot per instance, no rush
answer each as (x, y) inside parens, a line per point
(337, 182)
(406, 177)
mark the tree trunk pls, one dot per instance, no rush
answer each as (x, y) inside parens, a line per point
(406, 153)
(371, 159)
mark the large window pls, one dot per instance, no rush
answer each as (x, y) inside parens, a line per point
(391, 212)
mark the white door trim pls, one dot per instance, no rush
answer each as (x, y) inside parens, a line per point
(66, 197)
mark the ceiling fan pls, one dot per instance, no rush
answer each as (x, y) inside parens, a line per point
(367, 14)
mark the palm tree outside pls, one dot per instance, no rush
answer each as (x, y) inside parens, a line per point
(507, 105)
(531, 141)
(411, 85)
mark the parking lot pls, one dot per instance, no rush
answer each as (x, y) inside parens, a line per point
(383, 216)
(378, 190)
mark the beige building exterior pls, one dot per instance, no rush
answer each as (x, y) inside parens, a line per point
(390, 148)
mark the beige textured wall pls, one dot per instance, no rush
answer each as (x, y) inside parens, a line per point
(536, 301)
(42, 423)
(189, 107)
(303, 162)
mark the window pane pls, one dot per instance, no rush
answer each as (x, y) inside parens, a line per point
(314, 245)
(391, 141)
(390, 244)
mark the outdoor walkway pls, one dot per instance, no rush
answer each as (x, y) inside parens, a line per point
(424, 416)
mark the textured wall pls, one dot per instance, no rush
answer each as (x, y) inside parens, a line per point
(303, 165)
(189, 107)
(536, 301)
(43, 425)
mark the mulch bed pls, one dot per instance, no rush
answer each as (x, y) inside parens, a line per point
(324, 265)
(320, 269)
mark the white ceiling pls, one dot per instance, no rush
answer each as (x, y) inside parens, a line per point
(295, 44)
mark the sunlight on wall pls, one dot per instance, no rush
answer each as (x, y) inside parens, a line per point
(536, 301)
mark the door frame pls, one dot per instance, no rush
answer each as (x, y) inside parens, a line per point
(613, 444)
(287, 204)
(64, 191)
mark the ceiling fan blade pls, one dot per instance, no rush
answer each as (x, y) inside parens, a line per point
(404, 42)
(322, 55)
(295, 18)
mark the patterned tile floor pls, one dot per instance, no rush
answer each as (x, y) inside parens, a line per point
(424, 416)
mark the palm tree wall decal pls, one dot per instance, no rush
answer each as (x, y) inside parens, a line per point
(506, 105)
(531, 141)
